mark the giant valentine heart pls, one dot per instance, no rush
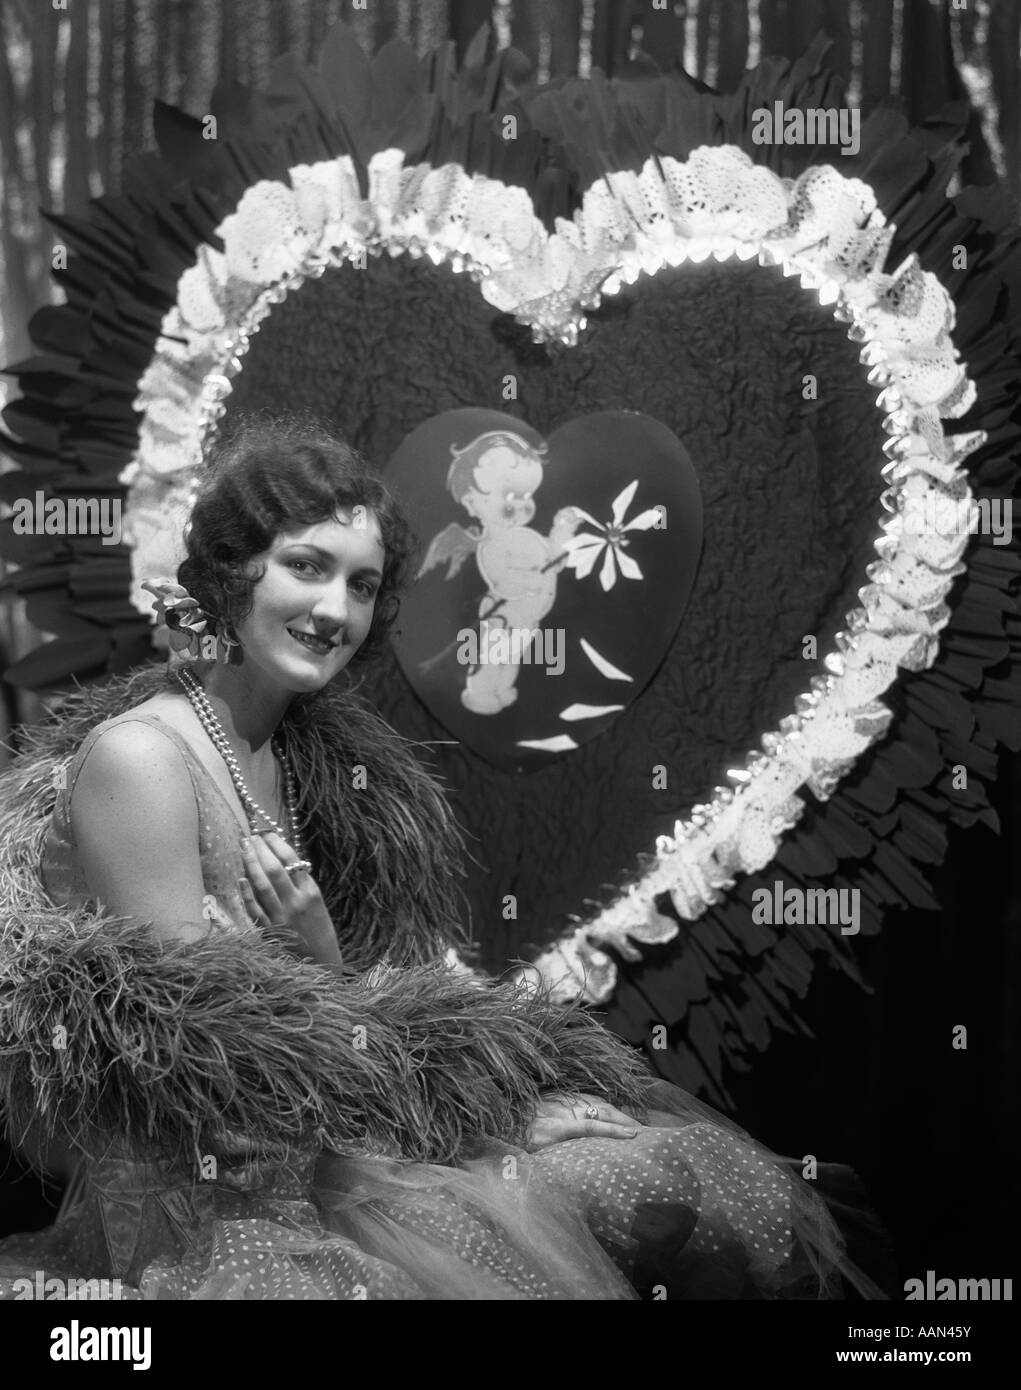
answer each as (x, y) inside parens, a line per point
(554, 577)
(727, 353)
(734, 664)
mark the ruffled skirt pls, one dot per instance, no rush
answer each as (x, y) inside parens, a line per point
(691, 1208)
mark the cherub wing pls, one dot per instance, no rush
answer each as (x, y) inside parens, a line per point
(452, 546)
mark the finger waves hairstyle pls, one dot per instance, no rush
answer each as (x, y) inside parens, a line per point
(273, 474)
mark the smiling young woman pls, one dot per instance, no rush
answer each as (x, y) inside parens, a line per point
(286, 557)
(279, 1087)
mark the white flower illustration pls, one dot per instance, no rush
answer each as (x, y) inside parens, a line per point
(585, 550)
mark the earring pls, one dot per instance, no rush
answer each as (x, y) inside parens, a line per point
(228, 648)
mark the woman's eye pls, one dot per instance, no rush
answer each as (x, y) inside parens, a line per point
(368, 590)
(306, 564)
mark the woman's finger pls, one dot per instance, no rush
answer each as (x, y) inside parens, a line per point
(261, 855)
(557, 1132)
(594, 1129)
(607, 1129)
(255, 871)
(280, 859)
(608, 1112)
(264, 854)
(277, 846)
(273, 865)
(273, 930)
(251, 904)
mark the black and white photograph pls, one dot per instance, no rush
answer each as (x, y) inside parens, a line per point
(510, 738)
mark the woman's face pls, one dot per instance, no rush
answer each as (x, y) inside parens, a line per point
(313, 607)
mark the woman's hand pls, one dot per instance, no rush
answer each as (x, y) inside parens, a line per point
(560, 1117)
(288, 907)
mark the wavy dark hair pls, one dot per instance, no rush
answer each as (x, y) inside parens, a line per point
(275, 473)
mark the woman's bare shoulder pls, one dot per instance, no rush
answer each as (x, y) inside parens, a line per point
(131, 752)
(167, 705)
(135, 824)
(132, 802)
(135, 726)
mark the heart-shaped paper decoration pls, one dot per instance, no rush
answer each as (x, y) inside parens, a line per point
(554, 577)
(665, 221)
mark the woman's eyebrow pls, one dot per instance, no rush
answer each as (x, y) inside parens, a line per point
(330, 556)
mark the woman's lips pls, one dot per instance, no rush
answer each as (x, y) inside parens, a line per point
(319, 645)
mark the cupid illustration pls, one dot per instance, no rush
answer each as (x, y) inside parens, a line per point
(494, 479)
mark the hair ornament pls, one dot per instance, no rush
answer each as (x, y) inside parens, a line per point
(191, 630)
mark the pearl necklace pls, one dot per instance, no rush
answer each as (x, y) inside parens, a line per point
(211, 723)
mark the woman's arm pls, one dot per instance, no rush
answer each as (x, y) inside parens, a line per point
(135, 822)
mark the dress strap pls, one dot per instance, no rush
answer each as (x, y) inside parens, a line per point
(94, 735)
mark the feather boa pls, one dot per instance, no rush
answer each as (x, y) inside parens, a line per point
(387, 855)
(169, 1045)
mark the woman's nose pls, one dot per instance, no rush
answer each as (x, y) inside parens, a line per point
(330, 608)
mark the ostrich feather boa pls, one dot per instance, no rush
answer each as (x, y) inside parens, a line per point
(387, 854)
(171, 1045)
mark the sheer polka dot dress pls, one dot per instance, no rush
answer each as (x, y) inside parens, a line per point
(689, 1208)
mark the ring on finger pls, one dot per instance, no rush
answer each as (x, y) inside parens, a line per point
(300, 866)
(591, 1112)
